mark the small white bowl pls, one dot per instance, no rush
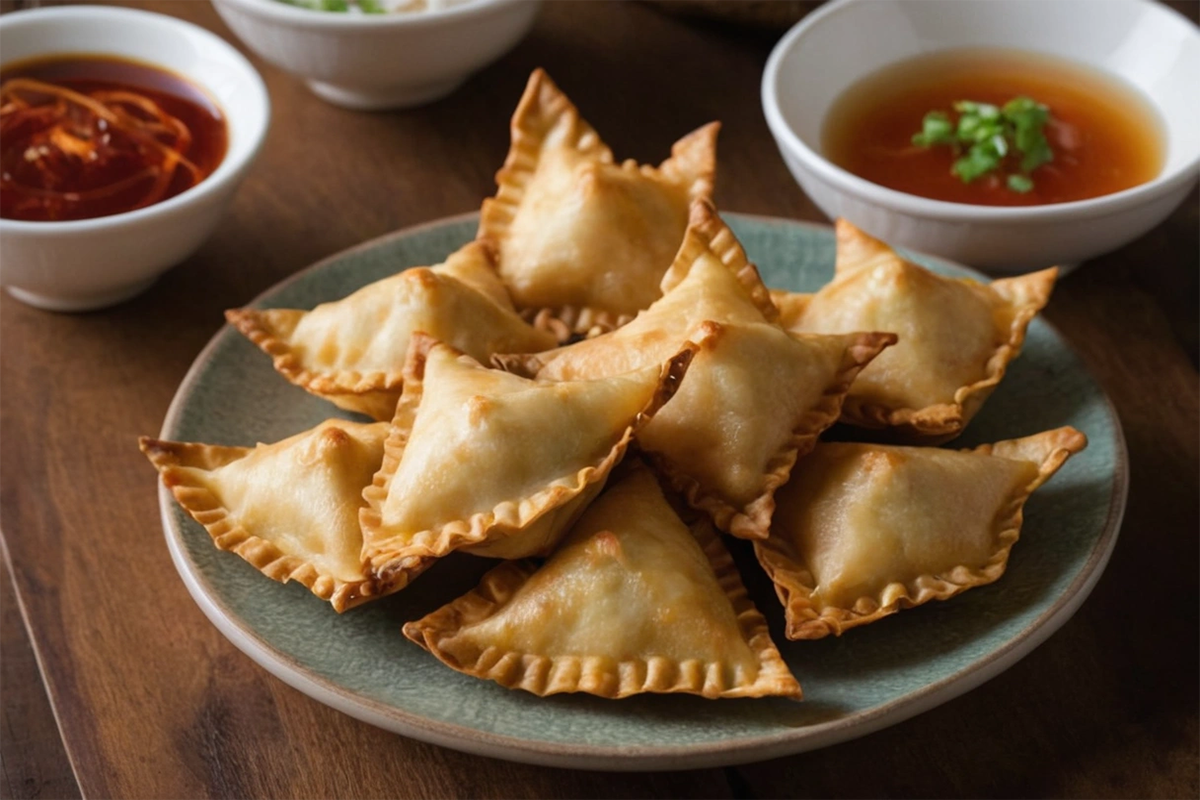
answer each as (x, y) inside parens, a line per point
(85, 264)
(1146, 44)
(368, 62)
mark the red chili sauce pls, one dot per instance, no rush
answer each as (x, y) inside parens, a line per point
(89, 136)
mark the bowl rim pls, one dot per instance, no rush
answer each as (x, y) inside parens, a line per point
(232, 165)
(792, 145)
(332, 20)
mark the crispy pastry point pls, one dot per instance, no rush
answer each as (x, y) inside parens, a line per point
(351, 351)
(290, 508)
(864, 530)
(710, 280)
(582, 240)
(755, 401)
(495, 464)
(957, 336)
(757, 397)
(633, 601)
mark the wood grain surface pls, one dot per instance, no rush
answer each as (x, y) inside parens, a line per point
(152, 702)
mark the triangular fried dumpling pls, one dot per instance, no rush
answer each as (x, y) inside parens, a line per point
(579, 236)
(863, 530)
(633, 601)
(351, 351)
(755, 400)
(710, 280)
(496, 464)
(760, 397)
(957, 336)
(289, 508)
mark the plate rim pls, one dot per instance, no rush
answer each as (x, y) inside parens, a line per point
(629, 757)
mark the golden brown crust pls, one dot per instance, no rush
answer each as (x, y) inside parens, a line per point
(372, 393)
(462, 298)
(694, 160)
(545, 675)
(856, 249)
(1018, 300)
(564, 322)
(791, 306)
(1050, 450)
(509, 518)
(227, 534)
(524, 364)
(544, 110)
(794, 582)
(542, 107)
(692, 156)
(1027, 294)
(708, 233)
(753, 520)
(707, 240)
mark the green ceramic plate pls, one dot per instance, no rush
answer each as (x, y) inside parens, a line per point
(871, 677)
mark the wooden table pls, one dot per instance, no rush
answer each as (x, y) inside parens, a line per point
(151, 701)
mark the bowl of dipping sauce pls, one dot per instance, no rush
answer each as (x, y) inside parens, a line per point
(1007, 135)
(124, 136)
(369, 55)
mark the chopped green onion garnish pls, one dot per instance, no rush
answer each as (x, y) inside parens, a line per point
(984, 135)
(936, 128)
(1020, 183)
(979, 161)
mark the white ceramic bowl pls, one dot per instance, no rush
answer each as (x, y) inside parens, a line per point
(1148, 45)
(376, 61)
(92, 263)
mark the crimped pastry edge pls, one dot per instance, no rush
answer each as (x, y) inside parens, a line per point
(752, 520)
(374, 392)
(794, 581)
(1027, 295)
(542, 108)
(168, 457)
(545, 675)
(507, 519)
(706, 233)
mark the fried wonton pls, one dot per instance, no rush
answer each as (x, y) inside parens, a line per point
(710, 280)
(756, 398)
(351, 351)
(633, 601)
(581, 239)
(957, 336)
(864, 530)
(289, 508)
(495, 464)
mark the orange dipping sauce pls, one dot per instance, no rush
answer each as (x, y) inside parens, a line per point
(90, 136)
(1104, 134)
